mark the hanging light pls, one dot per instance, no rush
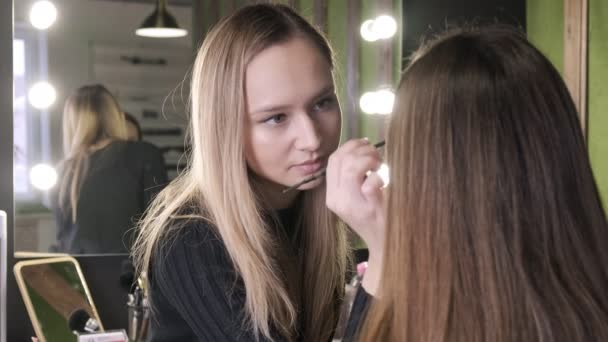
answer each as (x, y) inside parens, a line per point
(160, 24)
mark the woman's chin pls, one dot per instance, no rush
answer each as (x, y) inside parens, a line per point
(311, 185)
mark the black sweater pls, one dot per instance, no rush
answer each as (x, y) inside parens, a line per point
(120, 181)
(195, 292)
(357, 314)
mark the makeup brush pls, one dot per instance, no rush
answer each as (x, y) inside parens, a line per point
(322, 173)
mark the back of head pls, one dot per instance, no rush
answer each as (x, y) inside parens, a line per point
(91, 114)
(496, 231)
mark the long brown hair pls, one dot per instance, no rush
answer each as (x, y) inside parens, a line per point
(219, 187)
(91, 114)
(496, 231)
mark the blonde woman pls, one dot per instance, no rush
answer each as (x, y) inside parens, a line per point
(106, 182)
(494, 227)
(230, 257)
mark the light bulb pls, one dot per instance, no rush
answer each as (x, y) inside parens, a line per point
(385, 99)
(42, 95)
(43, 176)
(43, 14)
(383, 172)
(366, 31)
(384, 27)
(368, 102)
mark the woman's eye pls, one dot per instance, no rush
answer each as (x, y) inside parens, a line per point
(324, 104)
(276, 119)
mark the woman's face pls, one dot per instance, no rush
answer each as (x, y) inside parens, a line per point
(293, 116)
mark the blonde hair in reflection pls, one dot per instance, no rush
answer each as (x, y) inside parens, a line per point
(217, 186)
(90, 116)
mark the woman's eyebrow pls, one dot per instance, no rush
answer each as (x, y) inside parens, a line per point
(328, 89)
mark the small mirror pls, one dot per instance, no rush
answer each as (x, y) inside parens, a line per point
(54, 292)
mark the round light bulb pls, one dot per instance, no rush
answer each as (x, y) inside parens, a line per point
(43, 176)
(384, 27)
(366, 31)
(367, 102)
(43, 14)
(383, 172)
(42, 95)
(385, 99)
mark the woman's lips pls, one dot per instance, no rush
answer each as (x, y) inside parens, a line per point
(309, 167)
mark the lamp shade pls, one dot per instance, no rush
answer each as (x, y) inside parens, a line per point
(160, 24)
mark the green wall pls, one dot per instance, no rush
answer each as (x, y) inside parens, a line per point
(545, 28)
(545, 21)
(598, 94)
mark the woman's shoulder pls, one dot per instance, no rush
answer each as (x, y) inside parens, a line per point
(193, 241)
(141, 148)
(194, 251)
(133, 148)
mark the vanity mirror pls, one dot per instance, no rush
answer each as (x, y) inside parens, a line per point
(92, 42)
(56, 297)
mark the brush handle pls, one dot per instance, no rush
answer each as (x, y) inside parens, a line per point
(322, 172)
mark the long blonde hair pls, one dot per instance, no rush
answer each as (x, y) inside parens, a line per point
(217, 186)
(496, 231)
(90, 115)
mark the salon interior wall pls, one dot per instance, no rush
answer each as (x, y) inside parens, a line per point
(545, 22)
(545, 29)
(598, 94)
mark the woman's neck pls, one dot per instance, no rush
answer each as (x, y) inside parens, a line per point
(272, 195)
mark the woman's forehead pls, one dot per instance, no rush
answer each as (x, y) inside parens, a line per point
(286, 73)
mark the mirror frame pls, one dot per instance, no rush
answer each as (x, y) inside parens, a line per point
(17, 270)
(6, 161)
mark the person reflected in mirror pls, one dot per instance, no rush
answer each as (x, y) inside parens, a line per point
(133, 128)
(229, 256)
(491, 228)
(106, 182)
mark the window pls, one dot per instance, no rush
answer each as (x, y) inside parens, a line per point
(30, 125)
(20, 124)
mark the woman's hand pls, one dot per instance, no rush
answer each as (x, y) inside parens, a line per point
(354, 193)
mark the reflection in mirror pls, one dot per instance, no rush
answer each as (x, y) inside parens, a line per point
(94, 42)
(54, 292)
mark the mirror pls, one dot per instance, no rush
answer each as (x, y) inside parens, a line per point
(54, 290)
(93, 42)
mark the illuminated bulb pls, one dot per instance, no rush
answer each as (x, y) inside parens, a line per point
(42, 95)
(385, 99)
(43, 176)
(377, 102)
(383, 172)
(43, 14)
(384, 27)
(366, 31)
(368, 102)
